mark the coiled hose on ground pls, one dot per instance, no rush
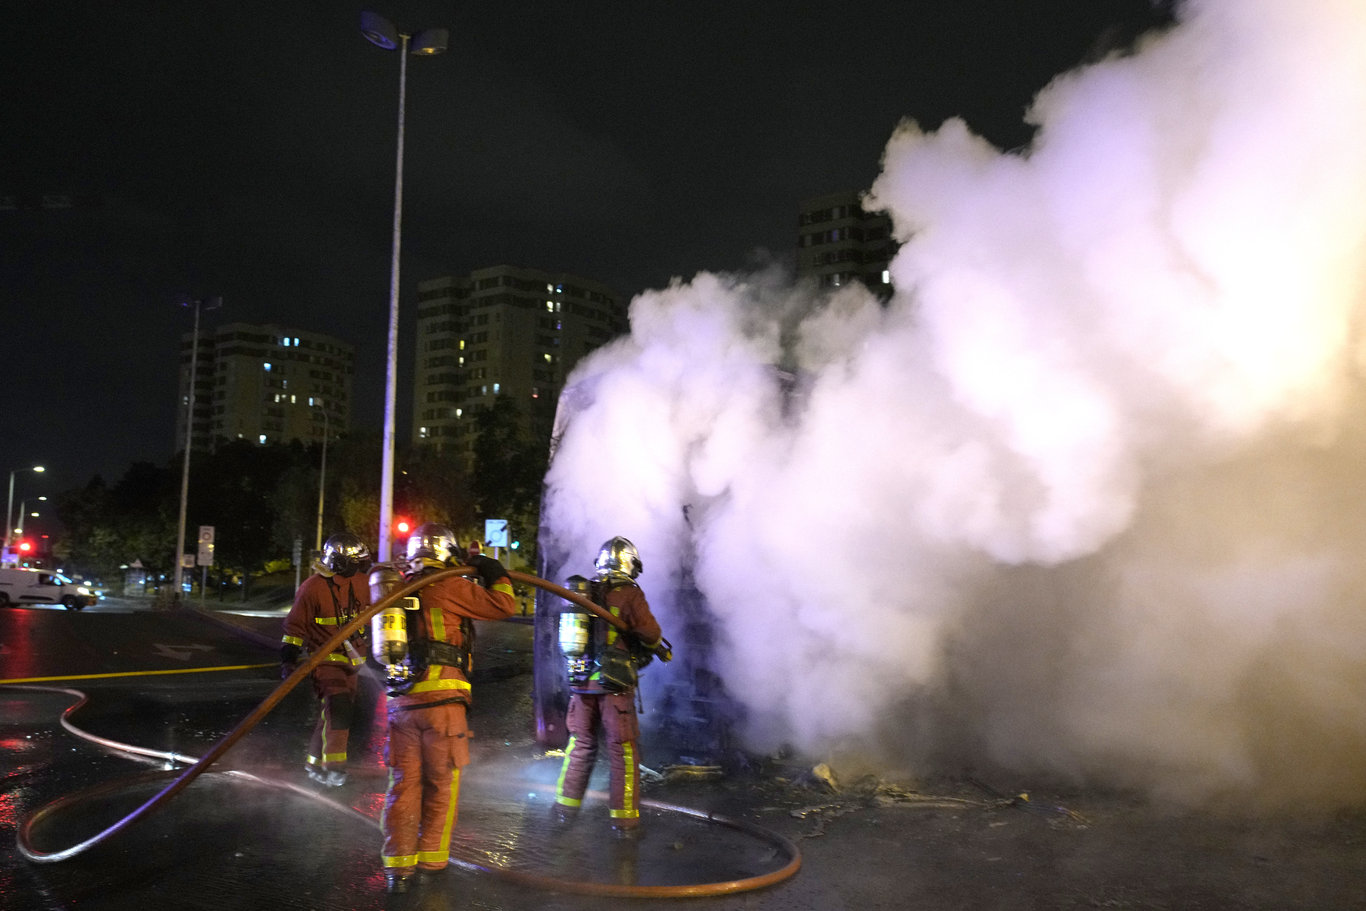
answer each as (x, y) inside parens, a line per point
(302, 672)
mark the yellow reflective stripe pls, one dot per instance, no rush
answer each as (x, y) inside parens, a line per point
(504, 587)
(407, 860)
(628, 789)
(334, 757)
(446, 683)
(292, 640)
(339, 658)
(625, 814)
(443, 852)
(564, 770)
(438, 624)
(327, 621)
(612, 634)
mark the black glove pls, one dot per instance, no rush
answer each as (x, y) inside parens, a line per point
(289, 659)
(489, 569)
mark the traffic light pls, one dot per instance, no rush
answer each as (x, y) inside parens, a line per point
(402, 527)
(24, 546)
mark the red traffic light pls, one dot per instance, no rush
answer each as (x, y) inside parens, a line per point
(24, 546)
(402, 526)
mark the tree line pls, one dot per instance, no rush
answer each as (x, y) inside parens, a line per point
(261, 499)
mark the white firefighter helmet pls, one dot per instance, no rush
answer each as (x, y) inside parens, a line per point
(345, 554)
(432, 542)
(619, 557)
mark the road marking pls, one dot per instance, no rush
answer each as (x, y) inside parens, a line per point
(178, 652)
(188, 670)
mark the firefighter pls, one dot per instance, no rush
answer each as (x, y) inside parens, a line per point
(604, 697)
(328, 599)
(428, 733)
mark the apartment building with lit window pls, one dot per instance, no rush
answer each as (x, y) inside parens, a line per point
(265, 383)
(838, 242)
(503, 331)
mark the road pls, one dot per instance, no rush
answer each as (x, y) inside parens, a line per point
(254, 833)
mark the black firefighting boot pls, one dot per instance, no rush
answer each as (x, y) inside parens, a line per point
(395, 882)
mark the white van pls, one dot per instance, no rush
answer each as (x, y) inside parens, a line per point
(22, 585)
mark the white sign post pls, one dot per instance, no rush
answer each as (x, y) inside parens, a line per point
(205, 558)
(496, 534)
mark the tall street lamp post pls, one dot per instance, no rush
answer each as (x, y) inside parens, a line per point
(189, 438)
(322, 481)
(9, 507)
(429, 42)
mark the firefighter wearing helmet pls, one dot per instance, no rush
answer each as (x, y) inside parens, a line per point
(327, 600)
(429, 691)
(604, 695)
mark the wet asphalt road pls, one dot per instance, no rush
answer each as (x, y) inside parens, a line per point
(255, 833)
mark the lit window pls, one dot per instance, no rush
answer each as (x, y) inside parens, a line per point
(549, 306)
(263, 439)
(495, 388)
(267, 366)
(459, 412)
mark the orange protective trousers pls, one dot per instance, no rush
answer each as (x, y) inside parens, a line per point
(428, 746)
(616, 713)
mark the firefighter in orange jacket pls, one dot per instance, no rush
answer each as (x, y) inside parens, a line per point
(428, 734)
(598, 700)
(327, 600)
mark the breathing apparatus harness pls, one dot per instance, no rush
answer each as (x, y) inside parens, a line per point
(592, 650)
(401, 640)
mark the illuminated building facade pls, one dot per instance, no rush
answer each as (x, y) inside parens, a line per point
(503, 331)
(838, 242)
(265, 383)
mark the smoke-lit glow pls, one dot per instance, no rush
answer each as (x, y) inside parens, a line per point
(1088, 496)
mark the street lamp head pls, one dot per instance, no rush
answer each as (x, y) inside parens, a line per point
(382, 33)
(430, 42)
(378, 30)
(39, 468)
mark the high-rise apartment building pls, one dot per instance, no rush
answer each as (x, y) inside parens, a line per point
(267, 384)
(838, 242)
(503, 331)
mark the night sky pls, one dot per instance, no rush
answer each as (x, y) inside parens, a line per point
(246, 150)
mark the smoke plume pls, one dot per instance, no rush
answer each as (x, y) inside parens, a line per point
(1087, 497)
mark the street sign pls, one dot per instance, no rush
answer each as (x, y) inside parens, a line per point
(205, 555)
(496, 532)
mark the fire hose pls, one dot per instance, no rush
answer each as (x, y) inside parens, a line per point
(303, 671)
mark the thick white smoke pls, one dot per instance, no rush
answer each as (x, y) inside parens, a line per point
(1088, 496)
